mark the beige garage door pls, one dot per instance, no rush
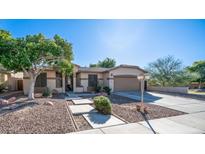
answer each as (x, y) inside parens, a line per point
(126, 83)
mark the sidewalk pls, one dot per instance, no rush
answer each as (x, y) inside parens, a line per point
(183, 124)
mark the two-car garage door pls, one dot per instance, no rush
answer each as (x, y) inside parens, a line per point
(126, 83)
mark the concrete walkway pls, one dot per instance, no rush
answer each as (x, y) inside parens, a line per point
(92, 116)
(132, 128)
(183, 124)
(192, 123)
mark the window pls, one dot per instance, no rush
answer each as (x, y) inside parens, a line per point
(41, 80)
(78, 83)
(58, 80)
(92, 80)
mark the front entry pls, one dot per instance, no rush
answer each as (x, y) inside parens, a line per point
(92, 82)
(69, 83)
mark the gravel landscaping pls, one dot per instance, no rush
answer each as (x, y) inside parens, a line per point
(35, 117)
(79, 120)
(38, 118)
(81, 123)
(126, 109)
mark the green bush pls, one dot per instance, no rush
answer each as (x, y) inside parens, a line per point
(46, 92)
(2, 87)
(103, 104)
(107, 89)
(99, 88)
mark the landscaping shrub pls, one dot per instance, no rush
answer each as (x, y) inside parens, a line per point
(98, 88)
(107, 89)
(2, 87)
(103, 104)
(55, 92)
(46, 92)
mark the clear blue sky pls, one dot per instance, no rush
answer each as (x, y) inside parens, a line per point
(136, 42)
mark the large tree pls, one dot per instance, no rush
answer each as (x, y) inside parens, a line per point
(106, 63)
(198, 68)
(32, 54)
(167, 71)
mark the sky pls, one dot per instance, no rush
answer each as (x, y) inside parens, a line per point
(133, 42)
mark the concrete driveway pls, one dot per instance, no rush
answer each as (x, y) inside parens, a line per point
(183, 104)
(193, 122)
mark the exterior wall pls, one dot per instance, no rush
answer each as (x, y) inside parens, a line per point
(84, 81)
(75, 70)
(11, 79)
(106, 79)
(122, 71)
(51, 82)
(182, 90)
(3, 77)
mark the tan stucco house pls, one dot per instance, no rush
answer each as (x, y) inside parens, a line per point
(13, 81)
(85, 79)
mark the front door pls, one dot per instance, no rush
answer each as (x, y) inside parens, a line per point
(92, 82)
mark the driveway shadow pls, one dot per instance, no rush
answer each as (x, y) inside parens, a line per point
(136, 95)
(98, 118)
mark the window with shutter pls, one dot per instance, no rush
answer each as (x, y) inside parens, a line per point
(58, 80)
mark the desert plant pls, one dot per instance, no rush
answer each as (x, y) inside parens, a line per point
(47, 92)
(107, 89)
(103, 104)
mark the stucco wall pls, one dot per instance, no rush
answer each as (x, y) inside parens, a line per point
(84, 80)
(105, 79)
(11, 80)
(182, 90)
(51, 82)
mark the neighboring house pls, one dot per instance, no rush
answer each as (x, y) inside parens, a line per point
(13, 81)
(84, 79)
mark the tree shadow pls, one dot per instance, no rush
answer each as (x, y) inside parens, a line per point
(133, 96)
(15, 107)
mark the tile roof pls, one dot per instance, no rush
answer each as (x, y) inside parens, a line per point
(92, 69)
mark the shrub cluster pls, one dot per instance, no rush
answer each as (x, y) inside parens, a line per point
(100, 88)
(46, 92)
(103, 104)
(2, 87)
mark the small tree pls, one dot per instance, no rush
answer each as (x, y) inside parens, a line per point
(32, 54)
(106, 63)
(198, 67)
(166, 71)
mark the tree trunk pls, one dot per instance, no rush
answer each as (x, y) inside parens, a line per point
(199, 84)
(31, 89)
(63, 76)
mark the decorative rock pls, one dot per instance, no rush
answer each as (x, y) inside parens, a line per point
(9, 101)
(48, 103)
(3, 102)
(38, 95)
(12, 100)
(102, 94)
(142, 108)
